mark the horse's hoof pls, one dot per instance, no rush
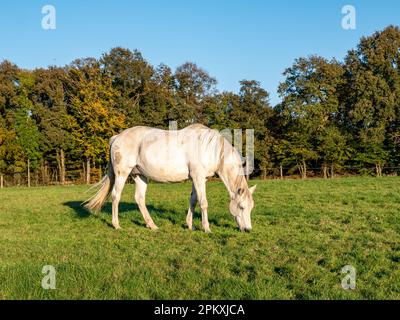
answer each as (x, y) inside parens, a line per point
(207, 231)
(152, 227)
(117, 228)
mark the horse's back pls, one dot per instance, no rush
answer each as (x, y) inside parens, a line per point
(167, 155)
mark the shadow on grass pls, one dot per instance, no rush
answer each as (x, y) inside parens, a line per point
(173, 216)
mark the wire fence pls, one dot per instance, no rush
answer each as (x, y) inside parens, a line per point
(76, 177)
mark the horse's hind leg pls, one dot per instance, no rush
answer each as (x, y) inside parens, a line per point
(120, 179)
(192, 206)
(140, 198)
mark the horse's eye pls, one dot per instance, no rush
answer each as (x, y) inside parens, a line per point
(241, 207)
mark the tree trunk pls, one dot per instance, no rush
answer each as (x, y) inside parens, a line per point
(62, 167)
(1, 181)
(325, 171)
(83, 172)
(378, 170)
(44, 173)
(87, 171)
(100, 173)
(29, 173)
(281, 171)
(36, 178)
(300, 169)
(263, 172)
(332, 171)
(58, 161)
(303, 170)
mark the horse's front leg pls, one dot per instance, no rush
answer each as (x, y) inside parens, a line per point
(140, 197)
(199, 182)
(192, 206)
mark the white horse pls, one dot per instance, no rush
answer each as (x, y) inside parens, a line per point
(195, 152)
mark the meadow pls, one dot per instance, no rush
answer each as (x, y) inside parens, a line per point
(304, 233)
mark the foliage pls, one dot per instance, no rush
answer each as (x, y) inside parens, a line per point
(333, 114)
(93, 109)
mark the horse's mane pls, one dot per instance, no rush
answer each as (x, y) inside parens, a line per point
(209, 139)
(212, 141)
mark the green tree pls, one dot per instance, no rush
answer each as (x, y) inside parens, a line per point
(371, 97)
(8, 94)
(254, 112)
(93, 107)
(131, 77)
(333, 149)
(28, 136)
(310, 107)
(193, 85)
(49, 94)
(21, 136)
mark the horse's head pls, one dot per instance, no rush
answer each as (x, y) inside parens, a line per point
(240, 207)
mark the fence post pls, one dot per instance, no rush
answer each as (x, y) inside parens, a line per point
(1, 181)
(29, 173)
(88, 171)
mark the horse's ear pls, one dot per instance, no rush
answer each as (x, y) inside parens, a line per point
(252, 189)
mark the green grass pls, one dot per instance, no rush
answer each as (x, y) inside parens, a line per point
(304, 232)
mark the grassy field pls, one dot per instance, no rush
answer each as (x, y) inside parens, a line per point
(304, 233)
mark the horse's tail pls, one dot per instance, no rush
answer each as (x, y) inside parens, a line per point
(96, 202)
(106, 184)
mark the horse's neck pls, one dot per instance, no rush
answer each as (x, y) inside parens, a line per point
(233, 177)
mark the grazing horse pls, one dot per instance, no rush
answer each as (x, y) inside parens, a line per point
(195, 152)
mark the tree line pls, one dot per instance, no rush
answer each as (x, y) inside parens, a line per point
(335, 117)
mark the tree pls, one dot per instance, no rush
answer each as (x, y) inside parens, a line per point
(218, 110)
(8, 89)
(371, 101)
(280, 148)
(9, 150)
(93, 107)
(28, 137)
(310, 107)
(254, 112)
(20, 146)
(49, 94)
(332, 114)
(130, 75)
(333, 149)
(192, 86)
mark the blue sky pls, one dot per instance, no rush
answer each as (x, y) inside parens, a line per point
(231, 39)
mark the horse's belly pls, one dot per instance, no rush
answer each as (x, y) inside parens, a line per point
(168, 178)
(164, 174)
(162, 167)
